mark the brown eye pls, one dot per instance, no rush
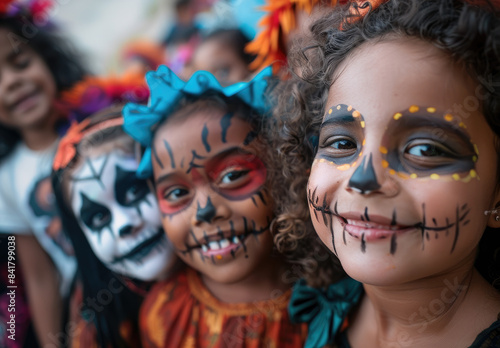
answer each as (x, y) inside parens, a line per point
(428, 149)
(176, 194)
(341, 147)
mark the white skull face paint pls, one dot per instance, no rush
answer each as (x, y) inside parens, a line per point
(120, 217)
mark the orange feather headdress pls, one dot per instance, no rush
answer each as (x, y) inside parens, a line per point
(280, 21)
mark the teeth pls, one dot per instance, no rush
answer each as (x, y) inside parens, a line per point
(235, 240)
(204, 248)
(214, 246)
(224, 243)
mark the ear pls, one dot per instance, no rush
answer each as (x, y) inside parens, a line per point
(494, 219)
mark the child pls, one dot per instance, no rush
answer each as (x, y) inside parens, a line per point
(223, 54)
(209, 162)
(35, 66)
(397, 119)
(113, 221)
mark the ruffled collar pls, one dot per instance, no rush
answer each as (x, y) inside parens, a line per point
(324, 310)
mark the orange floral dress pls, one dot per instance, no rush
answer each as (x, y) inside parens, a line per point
(182, 312)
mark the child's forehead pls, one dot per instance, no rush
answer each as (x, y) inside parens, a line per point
(388, 77)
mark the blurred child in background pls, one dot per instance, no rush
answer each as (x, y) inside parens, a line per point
(35, 66)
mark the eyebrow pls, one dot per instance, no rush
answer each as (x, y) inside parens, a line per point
(337, 120)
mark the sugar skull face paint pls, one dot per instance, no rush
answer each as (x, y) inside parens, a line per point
(398, 197)
(119, 216)
(211, 190)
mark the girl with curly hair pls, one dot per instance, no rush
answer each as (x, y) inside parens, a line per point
(395, 117)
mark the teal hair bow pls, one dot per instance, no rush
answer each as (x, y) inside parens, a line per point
(323, 310)
(167, 90)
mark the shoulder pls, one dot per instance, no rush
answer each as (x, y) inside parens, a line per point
(489, 337)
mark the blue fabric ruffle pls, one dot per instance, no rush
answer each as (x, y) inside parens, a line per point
(323, 310)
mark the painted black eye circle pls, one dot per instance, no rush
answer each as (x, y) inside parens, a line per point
(100, 220)
(136, 192)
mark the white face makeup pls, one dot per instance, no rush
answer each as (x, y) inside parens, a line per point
(120, 217)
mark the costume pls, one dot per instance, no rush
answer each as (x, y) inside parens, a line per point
(183, 313)
(326, 313)
(26, 206)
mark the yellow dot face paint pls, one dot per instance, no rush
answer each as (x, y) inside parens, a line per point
(341, 137)
(397, 116)
(439, 147)
(403, 156)
(413, 109)
(448, 117)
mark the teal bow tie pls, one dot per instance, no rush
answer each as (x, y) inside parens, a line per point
(323, 310)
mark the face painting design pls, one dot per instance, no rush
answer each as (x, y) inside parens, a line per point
(399, 197)
(119, 216)
(211, 191)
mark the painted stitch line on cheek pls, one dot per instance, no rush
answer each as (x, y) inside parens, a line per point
(450, 227)
(439, 140)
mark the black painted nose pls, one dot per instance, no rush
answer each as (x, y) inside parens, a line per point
(125, 231)
(364, 179)
(207, 213)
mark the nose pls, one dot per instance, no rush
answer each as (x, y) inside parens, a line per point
(365, 180)
(208, 212)
(125, 231)
(126, 223)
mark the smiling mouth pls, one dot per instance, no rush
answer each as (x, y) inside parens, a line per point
(143, 249)
(371, 231)
(221, 243)
(25, 102)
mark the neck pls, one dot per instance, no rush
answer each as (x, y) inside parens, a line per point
(423, 310)
(40, 137)
(263, 284)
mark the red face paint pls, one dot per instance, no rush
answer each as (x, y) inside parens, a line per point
(174, 197)
(238, 176)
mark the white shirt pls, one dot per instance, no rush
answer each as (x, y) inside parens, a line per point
(27, 206)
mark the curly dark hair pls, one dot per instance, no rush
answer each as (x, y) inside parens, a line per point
(64, 63)
(468, 32)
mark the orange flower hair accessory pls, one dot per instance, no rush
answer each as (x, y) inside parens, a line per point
(280, 21)
(66, 150)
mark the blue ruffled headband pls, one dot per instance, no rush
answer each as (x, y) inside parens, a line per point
(166, 90)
